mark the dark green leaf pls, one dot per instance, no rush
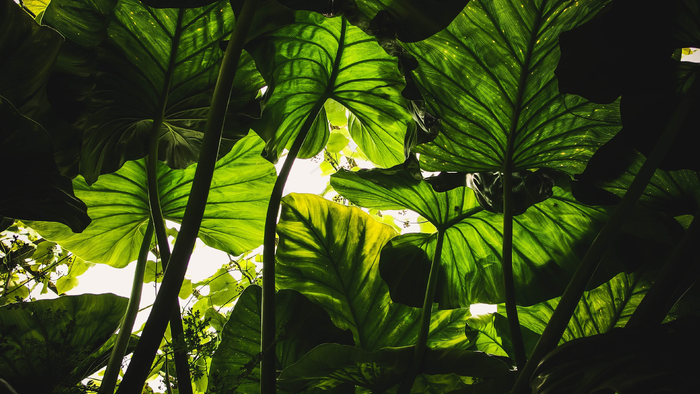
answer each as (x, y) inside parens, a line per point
(549, 240)
(600, 310)
(330, 253)
(45, 343)
(157, 64)
(489, 78)
(119, 206)
(492, 335)
(301, 324)
(178, 3)
(624, 361)
(330, 365)
(315, 59)
(27, 53)
(37, 190)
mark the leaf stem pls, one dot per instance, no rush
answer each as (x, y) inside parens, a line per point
(114, 364)
(145, 352)
(565, 309)
(422, 340)
(660, 299)
(268, 372)
(516, 335)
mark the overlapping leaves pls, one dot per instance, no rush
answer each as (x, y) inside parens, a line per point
(330, 253)
(549, 240)
(301, 324)
(118, 205)
(153, 64)
(489, 78)
(318, 58)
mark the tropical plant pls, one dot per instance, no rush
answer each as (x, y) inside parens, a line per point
(550, 176)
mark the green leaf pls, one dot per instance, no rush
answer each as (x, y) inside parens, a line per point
(600, 310)
(27, 54)
(550, 239)
(66, 283)
(43, 342)
(119, 206)
(330, 365)
(157, 64)
(301, 324)
(154, 272)
(224, 288)
(185, 289)
(489, 78)
(316, 59)
(492, 335)
(38, 191)
(330, 253)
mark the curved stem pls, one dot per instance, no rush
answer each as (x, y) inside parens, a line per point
(155, 326)
(422, 341)
(114, 364)
(268, 372)
(516, 335)
(572, 295)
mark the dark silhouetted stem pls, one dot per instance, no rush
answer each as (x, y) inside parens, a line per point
(516, 335)
(158, 319)
(422, 341)
(268, 371)
(109, 381)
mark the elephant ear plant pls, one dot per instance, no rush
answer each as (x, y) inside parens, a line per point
(555, 179)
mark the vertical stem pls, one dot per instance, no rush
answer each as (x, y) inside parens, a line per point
(268, 372)
(422, 341)
(155, 326)
(516, 335)
(114, 365)
(572, 295)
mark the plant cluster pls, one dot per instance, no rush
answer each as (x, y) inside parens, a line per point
(549, 175)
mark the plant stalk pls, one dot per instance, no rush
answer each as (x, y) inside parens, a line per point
(109, 381)
(422, 341)
(660, 299)
(137, 373)
(268, 327)
(572, 295)
(516, 335)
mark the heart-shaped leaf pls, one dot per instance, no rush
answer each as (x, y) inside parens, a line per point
(44, 343)
(154, 65)
(318, 58)
(119, 206)
(489, 78)
(330, 253)
(302, 325)
(549, 240)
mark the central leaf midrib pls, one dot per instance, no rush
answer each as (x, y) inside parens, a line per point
(508, 165)
(175, 44)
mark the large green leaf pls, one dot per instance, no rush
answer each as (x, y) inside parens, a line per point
(330, 253)
(318, 58)
(44, 342)
(37, 191)
(27, 53)
(549, 240)
(489, 78)
(118, 204)
(302, 325)
(154, 64)
(330, 365)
